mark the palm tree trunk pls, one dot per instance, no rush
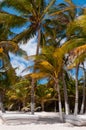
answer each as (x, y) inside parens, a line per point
(33, 80)
(32, 97)
(55, 107)
(59, 100)
(42, 105)
(39, 39)
(19, 106)
(83, 99)
(65, 95)
(76, 92)
(24, 102)
(1, 104)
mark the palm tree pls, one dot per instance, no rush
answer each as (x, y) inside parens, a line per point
(1, 92)
(84, 85)
(7, 79)
(77, 30)
(65, 94)
(76, 94)
(34, 12)
(43, 94)
(48, 66)
(35, 15)
(31, 12)
(78, 55)
(6, 70)
(19, 92)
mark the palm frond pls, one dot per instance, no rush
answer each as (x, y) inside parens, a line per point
(11, 20)
(38, 75)
(61, 11)
(21, 6)
(73, 43)
(9, 46)
(25, 35)
(21, 53)
(47, 8)
(77, 56)
(77, 27)
(41, 4)
(69, 2)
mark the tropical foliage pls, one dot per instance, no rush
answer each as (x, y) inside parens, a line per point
(60, 30)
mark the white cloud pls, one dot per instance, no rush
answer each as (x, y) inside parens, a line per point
(19, 62)
(63, 41)
(30, 47)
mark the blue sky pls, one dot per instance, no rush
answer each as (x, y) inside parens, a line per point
(30, 47)
(79, 2)
(20, 62)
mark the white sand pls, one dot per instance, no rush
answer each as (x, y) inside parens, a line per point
(41, 127)
(45, 125)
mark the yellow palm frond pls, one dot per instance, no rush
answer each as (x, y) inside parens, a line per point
(77, 56)
(79, 50)
(1, 50)
(46, 65)
(38, 75)
(73, 43)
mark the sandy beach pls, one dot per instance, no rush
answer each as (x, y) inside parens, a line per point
(56, 126)
(41, 127)
(49, 121)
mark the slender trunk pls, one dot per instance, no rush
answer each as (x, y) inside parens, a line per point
(24, 102)
(33, 80)
(1, 104)
(65, 95)
(76, 92)
(55, 107)
(59, 100)
(39, 39)
(42, 105)
(32, 97)
(83, 99)
(19, 106)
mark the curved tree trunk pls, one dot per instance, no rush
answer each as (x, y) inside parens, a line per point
(33, 80)
(76, 92)
(59, 100)
(32, 97)
(65, 95)
(83, 99)
(1, 104)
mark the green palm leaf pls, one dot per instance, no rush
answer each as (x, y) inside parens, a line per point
(11, 20)
(73, 43)
(77, 27)
(22, 6)
(25, 35)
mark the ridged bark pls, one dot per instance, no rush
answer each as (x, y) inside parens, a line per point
(83, 99)
(33, 80)
(59, 101)
(1, 104)
(65, 95)
(76, 92)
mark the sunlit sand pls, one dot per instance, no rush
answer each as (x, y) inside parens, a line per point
(39, 121)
